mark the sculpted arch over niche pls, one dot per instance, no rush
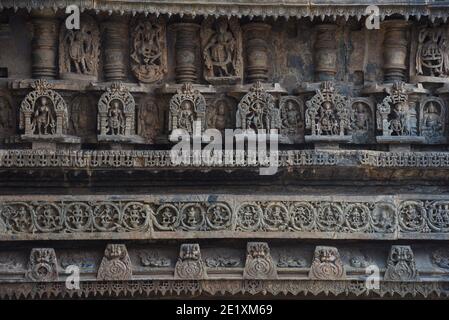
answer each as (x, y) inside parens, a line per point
(186, 107)
(328, 115)
(79, 50)
(116, 115)
(44, 114)
(257, 110)
(221, 43)
(148, 49)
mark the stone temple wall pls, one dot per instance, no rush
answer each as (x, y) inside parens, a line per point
(358, 122)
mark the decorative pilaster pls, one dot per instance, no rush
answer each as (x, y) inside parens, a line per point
(115, 48)
(186, 52)
(44, 45)
(325, 52)
(255, 35)
(395, 50)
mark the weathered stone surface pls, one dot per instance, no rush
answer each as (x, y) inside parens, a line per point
(358, 128)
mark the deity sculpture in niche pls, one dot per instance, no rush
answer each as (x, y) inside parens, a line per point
(220, 115)
(79, 50)
(257, 110)
(432, 115)
(6, 116)
(148, 51)
(292, 118)
(150, 119)
(187, 106)
(328, 116)
(116, 115)
(432, 52)
(44, 115)
(397, 117)
(82, 120)
(221, 43)
(363, 122)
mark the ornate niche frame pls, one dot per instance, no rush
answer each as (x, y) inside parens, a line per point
(187, 107)
(328, 116)
(363, 122)
(148, 54)
(79, 50)
(433, 123)
(291, 110)
(257, 110)
(221, 45)
(116, 115)
(44, 115)
(396, 117)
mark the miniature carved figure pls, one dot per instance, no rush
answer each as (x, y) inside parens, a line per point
(186, 107)
(433, 119)
(257, 110)
(149, 53)
(79, 50)
(222, 50)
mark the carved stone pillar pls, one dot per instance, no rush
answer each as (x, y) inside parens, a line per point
(44, 45)
(186, 51)
(395, 50)
(325, 52)
(115, 48)
(255, 35)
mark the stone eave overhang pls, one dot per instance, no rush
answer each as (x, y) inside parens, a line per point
(245, 8)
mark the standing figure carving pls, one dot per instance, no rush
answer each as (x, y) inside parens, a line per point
(148, 52)
(79, 50)
(116, 115)
(44, 114)
(186, 107)
(257, 110)
(221, 42)
(396, 116)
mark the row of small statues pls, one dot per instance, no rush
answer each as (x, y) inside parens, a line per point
(221, 48)
(327, 115)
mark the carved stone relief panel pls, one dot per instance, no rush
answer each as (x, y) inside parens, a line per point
(149, 49)
(116, 264)
(44, 114)
(150, 119)
(221, 43)
(401, 265)
(79, 50)
(187, 107)
(328, 115)
(7, 116)
(292, 118)
(432, 52)
(259, 263)
(221, 114)
(440, 258)
(190, 265)
(82, 121)
(327, 264)
(116, 115)
(42, 265)
(257, 110)
(363, 122)
(397, 116)
(433, 119)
